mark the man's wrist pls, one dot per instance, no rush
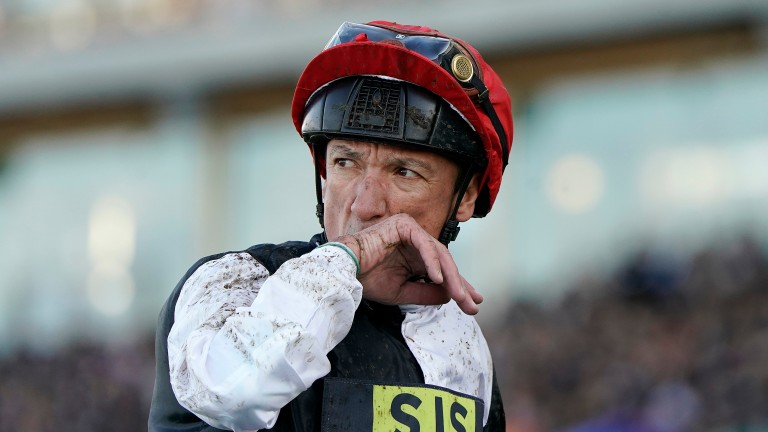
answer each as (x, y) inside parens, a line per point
(352, 242)
(346, 248)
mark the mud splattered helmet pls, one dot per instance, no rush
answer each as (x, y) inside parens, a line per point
(408, 86)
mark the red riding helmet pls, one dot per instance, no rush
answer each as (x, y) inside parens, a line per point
(362, 62)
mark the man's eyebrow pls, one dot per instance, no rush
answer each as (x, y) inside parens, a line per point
(409, 162)
(345, 151)
(341, 150)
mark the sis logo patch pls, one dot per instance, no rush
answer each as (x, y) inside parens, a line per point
(350, 405)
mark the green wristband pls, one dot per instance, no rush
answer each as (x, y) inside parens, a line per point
(347, 250)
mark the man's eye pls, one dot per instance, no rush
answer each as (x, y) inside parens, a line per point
(343, 163)
(405, 172)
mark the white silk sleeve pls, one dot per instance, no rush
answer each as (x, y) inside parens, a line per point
(244, 343)
(451, 350)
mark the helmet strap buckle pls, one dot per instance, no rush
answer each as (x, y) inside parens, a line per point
(450, 231)
(451, 227)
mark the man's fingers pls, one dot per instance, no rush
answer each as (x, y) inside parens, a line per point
(476, 296)
(468, 306)
(430, 255)
(457, 288)
(422, 293)
(442, 270)
(418, 252)
(465, 295)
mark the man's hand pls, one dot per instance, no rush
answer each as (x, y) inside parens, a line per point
(397, 252)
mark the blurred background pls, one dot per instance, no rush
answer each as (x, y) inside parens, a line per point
(624, 263)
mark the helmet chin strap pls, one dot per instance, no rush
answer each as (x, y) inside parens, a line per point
(320, 207)
(450, 229)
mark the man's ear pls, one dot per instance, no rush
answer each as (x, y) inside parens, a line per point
(467, 206)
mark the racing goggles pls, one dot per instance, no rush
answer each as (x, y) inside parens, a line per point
(449, 54)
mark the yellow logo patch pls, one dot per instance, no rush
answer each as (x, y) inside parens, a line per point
(412, 409)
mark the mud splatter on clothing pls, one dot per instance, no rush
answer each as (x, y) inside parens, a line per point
(244, 343)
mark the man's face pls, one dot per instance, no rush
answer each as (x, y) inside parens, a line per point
(366, 183)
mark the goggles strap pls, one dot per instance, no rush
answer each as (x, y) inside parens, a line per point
(483, 97)
(451, 227)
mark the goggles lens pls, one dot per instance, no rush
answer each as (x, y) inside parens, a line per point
(431, 47)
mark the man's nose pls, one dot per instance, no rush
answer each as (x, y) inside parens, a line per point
(370, 199)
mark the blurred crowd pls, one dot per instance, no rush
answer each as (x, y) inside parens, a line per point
(84, 388)
(662, 345)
